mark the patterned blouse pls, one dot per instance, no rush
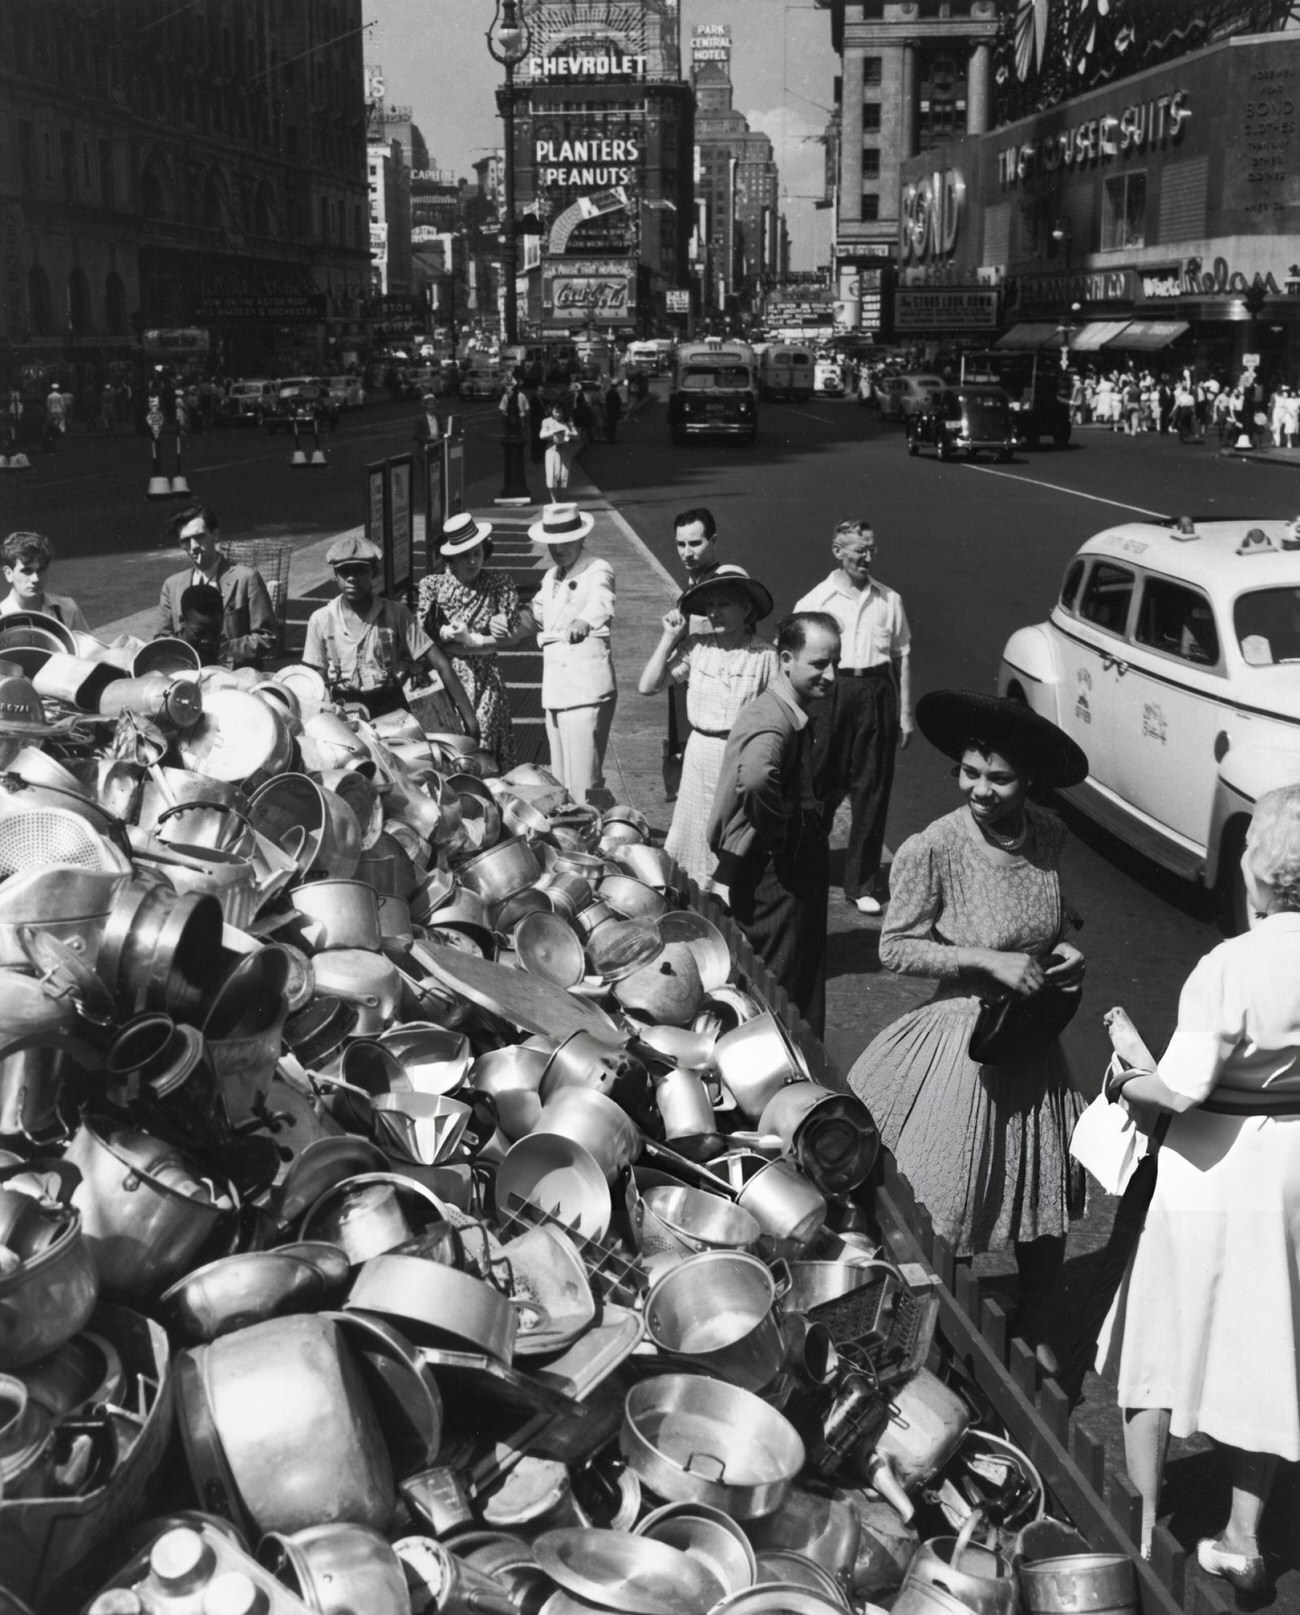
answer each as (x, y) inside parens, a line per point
(442, 601)
(720, 679)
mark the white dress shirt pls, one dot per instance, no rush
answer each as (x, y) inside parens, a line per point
(873, 624)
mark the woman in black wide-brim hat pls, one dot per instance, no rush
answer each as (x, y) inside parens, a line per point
(975, 901)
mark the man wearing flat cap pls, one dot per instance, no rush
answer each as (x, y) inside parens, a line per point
(870, 716)
(364, 645)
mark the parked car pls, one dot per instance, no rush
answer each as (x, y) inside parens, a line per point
(1172, 656)
(302, 399)
(248, 403)
(346, 391)
(963, 420)
(901, 396)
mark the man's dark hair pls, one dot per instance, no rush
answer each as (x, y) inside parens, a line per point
(698, 514)
(25, 546)
(203, 600)
(189, 512)
(792, 631)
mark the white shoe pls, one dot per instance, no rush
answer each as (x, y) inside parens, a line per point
(866, 904)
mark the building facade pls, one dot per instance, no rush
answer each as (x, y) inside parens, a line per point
(603, 146)
(737, 179)
(197, 174)
(914, 73)
(1153, 220)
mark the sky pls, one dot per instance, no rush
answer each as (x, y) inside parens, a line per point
(435, 60)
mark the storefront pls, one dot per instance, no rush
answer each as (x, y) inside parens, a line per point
(1152, 222)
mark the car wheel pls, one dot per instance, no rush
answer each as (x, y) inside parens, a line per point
(1004, 456)
(945, 448)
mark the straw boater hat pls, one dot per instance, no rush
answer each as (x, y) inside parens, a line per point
(561, 524)
(952, 719)
(733, 577)
(462, 533)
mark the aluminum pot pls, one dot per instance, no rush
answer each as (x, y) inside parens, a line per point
(370, 1212)
(339, 914)
(786, 1206)
(365, 980)
(501, 871)
(632, 898)
(603, 1128)
(927, 1421)
(316, 826)
(49, 1298)
(280, 1433)
(169, 788)
(683, 1103)
(157, 948)
(825, 1529)
(26, 1441)
(583, 1060)
(666, 990)
(977, 1577)
(436, 1304)
(755, 1060)
(238, 738)
(708, 1535)
(706, 942)
(717, 1312)
(694, 1439)
(1077, 1582)
(337, 1569)
(143, 1229)
(34, 1026)
(435, 1060)
(244, 1029)
(172, 702)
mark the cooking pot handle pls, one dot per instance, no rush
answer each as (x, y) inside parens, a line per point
(81, 1053)
(699, 1463)
(219, 807)
(972, 1523)
(782, 1278)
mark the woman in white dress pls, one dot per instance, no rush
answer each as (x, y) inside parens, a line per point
(1206, 1326)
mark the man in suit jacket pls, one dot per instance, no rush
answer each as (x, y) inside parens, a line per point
(249, 629)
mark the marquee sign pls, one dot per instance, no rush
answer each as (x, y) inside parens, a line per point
(1138, 128)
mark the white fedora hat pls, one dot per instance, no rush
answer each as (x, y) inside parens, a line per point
(462, 533)
(561, 524)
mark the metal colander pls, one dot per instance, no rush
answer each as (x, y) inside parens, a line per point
(42, 836)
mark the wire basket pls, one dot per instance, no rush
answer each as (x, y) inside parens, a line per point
(271, 560)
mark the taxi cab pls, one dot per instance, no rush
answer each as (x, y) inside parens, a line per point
(1172, 656)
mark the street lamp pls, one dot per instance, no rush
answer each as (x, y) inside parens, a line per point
(507, 43)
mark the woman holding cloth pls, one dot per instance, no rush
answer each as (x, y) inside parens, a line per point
(574, 609)
(472, 614)
(1206, 1327)
(975, 901)
(721, 670)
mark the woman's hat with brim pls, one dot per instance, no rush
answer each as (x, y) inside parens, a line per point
(731, 577)
(953, 719)
(463, 532)
(561, 524)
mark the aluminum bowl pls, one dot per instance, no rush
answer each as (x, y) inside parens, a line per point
(231, 1293)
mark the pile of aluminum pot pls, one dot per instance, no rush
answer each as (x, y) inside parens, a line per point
(407, 1203)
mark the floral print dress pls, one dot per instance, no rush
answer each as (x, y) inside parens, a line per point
(443, 601)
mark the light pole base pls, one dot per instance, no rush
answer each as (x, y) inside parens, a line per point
(514, 487)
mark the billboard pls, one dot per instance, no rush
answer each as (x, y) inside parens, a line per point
(945, 308)
(711, 42)
(586, 175)
(588, 291)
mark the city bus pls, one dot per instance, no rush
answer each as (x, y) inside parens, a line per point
(714, 391)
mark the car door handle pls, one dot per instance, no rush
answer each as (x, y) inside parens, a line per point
(1112, 664)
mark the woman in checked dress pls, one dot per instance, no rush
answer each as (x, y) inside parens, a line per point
(472, 614)
(721, 670)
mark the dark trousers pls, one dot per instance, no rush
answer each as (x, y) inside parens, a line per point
(378, 703)
(861, 745)
(779, 901)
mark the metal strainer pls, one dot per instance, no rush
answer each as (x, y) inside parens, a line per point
(41, 836)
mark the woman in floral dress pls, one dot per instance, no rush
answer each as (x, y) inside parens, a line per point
(975, 902)
(472, 614)
(722, 670)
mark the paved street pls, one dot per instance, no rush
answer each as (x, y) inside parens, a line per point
(975, 550)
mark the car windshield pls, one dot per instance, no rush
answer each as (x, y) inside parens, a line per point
(700, 381)
(1267, 625)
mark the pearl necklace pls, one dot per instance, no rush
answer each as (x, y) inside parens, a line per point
(1011, 843)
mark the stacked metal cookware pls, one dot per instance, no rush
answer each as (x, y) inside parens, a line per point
(407, 1204)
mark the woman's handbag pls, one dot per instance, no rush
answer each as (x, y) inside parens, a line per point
(1011, 1025)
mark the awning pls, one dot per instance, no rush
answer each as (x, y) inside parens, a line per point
(1096, 334)
(1148, 336)
(1034, 335)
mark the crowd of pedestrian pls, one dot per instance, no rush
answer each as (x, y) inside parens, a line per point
(1193, 406)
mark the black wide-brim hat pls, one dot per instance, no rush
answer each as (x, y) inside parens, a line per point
(730, 577)
(954, 719)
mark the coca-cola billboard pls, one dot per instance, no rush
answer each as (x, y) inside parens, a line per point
(589, 291)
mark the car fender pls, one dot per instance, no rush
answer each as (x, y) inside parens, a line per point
(1027, 661)
(1246, 771)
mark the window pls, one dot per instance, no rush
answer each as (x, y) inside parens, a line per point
(1106, 597)
(1123, 212)
(1267, 625)
(871, 117)
(871, 69)
(1070, 588)
(871, 162)
(1178, 621)
(870, 205)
